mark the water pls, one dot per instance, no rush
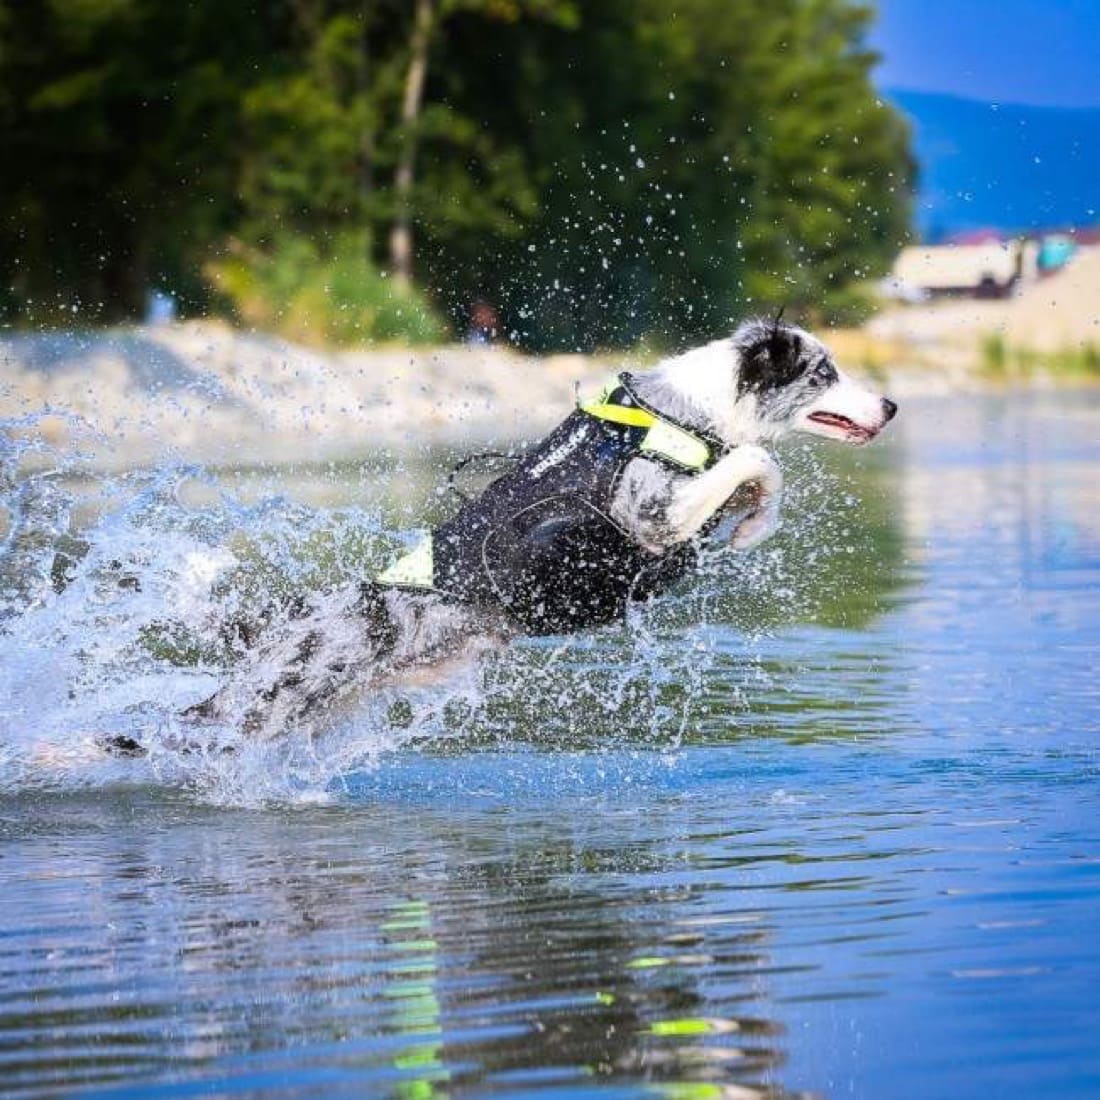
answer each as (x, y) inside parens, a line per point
(827, 823)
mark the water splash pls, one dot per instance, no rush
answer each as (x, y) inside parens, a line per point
(125, 600)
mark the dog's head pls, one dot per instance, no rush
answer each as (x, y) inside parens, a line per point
(786, 380)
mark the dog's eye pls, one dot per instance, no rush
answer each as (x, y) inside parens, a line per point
(823, 373)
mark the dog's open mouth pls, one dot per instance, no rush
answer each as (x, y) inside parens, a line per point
(858, 433)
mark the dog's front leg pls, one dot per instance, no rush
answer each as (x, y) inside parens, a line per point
(695, 500)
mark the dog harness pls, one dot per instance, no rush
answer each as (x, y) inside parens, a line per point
(540, 544)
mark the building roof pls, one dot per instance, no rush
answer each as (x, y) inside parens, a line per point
(948, 267)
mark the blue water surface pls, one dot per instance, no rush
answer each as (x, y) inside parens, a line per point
(839, 835)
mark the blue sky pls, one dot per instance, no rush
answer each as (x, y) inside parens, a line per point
(1041, 52)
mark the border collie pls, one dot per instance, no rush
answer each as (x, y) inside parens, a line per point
(605, 511)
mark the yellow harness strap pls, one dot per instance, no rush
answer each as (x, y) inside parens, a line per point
(664, 438)
(619, 414)
(416, 568)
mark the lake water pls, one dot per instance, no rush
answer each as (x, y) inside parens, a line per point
(827, 822)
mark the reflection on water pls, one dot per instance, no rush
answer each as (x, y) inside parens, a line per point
(837, 833)
(353, 946)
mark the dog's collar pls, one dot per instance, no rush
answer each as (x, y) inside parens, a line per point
(683, 446)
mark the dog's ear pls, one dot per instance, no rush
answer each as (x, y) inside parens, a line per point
(771, 359)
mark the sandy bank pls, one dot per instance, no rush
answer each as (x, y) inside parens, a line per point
(203, 392)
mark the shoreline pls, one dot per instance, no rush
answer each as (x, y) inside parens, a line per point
(203, 392)
(206, 392)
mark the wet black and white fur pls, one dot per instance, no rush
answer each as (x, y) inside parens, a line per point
(764, 382)
(761, 384)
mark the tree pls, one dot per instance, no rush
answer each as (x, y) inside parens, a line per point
(401, 254)
(603, 171)
(119, 131)
(690, 165)
(427, 18)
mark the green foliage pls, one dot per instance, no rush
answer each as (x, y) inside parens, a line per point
(1080, 361)
(601, 171)
(335, 297)
(305, 129)
(993, 352)
(846, 305)
(998, 359)
(121, 117)
(693, 166)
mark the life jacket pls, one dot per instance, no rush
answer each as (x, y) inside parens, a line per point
(539, 542)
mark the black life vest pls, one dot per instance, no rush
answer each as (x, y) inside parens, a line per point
(539, 542)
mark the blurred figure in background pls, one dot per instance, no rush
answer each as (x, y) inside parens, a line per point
(484, 323)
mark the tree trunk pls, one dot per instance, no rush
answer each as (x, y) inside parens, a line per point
(127, 279)
(366, 145)
(401, 243)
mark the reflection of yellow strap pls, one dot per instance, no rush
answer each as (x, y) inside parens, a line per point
(663, 438)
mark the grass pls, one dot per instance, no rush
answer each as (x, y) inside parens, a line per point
(998, 359)
(335, 297)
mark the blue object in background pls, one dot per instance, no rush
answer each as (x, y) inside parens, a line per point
(160, 308)
(1055, 251)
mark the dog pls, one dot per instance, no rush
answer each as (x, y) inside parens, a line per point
(606, 511)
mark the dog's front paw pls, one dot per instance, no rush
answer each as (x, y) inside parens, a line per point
(758, 496)
(754, 529)
(757, 466)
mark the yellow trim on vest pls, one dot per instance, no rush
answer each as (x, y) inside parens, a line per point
(620, 414)
(663, 438)
(416, 569)
(676, 444)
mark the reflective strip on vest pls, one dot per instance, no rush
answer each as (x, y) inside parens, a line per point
(416, 569)
(677, 445)
(620, 414)
(663, 438)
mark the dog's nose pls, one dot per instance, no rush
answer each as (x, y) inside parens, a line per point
(890, 410)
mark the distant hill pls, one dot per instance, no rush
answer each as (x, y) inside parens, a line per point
(1002, 166)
